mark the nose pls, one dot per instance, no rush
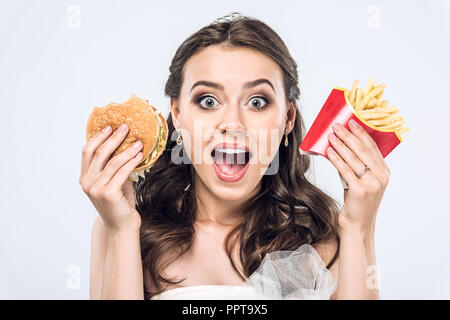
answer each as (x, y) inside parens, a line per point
(232, 121)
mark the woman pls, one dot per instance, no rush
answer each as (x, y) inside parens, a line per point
(202, 226)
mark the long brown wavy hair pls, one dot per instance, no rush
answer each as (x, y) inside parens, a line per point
(288, 211)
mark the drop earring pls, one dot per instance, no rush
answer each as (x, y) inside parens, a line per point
(285, 140)
(180, 138)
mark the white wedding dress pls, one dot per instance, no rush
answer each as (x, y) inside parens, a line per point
(300, 274)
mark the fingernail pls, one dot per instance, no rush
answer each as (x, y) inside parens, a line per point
(332, 137)
(106, 129)
(353, 124)
(331, 151)
(123, 127)
(337, 127)
(137, 144)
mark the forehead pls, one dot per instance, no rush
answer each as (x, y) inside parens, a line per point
(231, 66)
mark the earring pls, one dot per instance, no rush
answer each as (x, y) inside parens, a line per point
(285, 140)
(180, 138)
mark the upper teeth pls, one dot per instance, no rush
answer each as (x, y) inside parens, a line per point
(227, 150)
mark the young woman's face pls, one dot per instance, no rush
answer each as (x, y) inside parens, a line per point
(220, 102)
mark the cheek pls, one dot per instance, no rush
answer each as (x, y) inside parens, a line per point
(195, 127)
(195, 139)
(268, 134)
(268, 142)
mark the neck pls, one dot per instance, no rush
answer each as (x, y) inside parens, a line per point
(217, 211)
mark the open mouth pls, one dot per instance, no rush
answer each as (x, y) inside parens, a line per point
(230, 162)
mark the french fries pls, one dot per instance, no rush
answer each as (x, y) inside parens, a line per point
(370, 106)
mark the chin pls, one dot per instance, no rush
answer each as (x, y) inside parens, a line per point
(233, 191)
(228, 193)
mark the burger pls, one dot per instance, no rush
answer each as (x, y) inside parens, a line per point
(145, 123)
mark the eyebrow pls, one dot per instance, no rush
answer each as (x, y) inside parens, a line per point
(247, 85)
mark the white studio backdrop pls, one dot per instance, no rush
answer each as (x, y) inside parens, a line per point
(59, 59)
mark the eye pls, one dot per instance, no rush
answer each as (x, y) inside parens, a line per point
(256, 102)
(209, 101)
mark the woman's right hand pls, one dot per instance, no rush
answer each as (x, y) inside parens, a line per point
(105, 180)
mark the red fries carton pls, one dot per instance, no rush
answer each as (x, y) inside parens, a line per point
(338, 109)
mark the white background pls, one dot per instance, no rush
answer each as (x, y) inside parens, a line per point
(56, 65)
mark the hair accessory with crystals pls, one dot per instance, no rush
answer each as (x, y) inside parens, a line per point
(229, 17)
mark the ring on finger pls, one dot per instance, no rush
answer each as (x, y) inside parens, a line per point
(366, 168)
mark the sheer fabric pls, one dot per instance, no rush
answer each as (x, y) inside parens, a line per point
(300, 274)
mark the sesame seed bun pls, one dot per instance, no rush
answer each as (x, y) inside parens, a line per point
(144, 121)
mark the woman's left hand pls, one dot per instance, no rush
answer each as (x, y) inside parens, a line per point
(350, 153)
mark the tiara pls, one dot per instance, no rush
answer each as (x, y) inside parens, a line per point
(229, 17)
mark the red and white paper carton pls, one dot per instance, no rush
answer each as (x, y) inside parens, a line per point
(338, 109)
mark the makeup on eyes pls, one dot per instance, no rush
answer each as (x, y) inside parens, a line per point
(199, 97)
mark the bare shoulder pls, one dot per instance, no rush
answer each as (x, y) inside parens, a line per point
(326, 251)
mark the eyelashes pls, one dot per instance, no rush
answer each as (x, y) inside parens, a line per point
(198, 101)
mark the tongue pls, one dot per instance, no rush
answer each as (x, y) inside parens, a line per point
(229, 168)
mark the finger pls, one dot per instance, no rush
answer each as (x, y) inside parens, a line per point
(346, 172)
(104, 152)
(371, 183)
(362, 135)
(368, 153)
(91, 146)
(359, 148)
(346, 154)
(122, 175)
(113, 165)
